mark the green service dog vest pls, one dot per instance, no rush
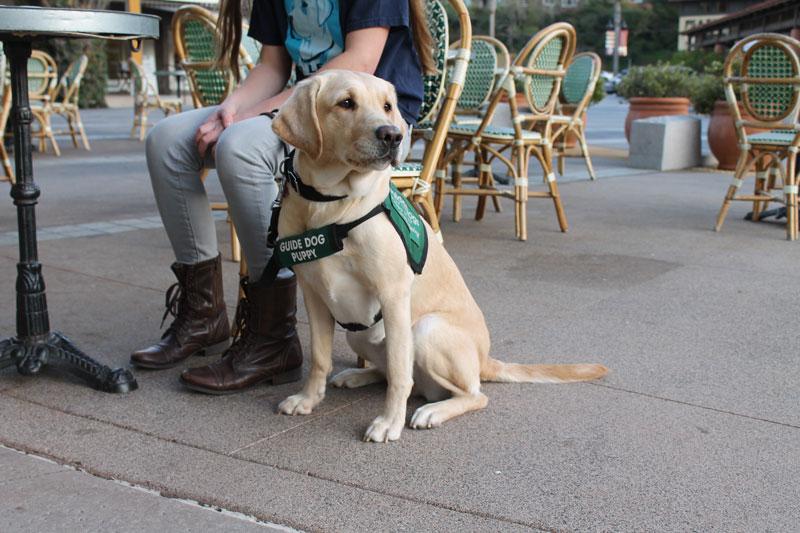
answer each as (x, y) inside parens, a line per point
(328, 240)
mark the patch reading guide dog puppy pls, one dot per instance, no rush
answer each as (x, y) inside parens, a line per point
(420, 329)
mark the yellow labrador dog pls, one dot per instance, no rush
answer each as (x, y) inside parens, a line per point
(432, 338)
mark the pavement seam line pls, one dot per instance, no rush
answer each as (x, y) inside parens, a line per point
(66, 468)
(267, 465)
(695, 405)
(301, 424)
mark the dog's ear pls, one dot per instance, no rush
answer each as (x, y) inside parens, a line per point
(297, 122)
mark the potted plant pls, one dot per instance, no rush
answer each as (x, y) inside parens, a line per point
(708, 98)
(656, 90)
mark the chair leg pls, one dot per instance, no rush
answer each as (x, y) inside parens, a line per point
(456, 173)
(439, 181)
(561, 152)
(790, 190)
(484, 182)
(741, 170)
(81, 131)
(429, 211)
(9, 172)
(760, 185)
(242, 274)
(236, 248)
(71, 128)
(49, 132)
(142, 125)
(521, 193)
(585, 153)
(550, 177)
(135, 122)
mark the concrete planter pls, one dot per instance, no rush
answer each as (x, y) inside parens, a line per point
(644, 107)
(722, 135)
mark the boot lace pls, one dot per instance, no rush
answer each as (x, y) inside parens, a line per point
(242, 338)
(175, 305)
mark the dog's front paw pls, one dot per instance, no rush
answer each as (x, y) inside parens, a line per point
(297, 404)
(427, 417)
(352, 378)
(383, 429)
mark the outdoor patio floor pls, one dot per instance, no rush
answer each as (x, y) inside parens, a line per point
(696, 427)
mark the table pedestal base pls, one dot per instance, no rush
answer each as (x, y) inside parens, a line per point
(31, 356)
(778, 213)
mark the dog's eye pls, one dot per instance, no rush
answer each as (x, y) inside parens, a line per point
(387, 107)
(347, 103)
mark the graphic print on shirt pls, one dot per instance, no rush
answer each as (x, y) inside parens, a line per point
(314, 34)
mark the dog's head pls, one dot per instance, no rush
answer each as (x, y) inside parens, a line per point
(343, 118)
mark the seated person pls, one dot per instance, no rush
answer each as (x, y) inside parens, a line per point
(380, 37)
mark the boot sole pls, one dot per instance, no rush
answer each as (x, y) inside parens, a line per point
(279, 379)
(214, 349)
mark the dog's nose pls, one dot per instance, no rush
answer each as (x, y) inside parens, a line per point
(389, 135)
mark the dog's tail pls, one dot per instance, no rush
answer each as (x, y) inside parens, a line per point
(516, 373)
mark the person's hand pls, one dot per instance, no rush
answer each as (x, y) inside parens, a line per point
(208, 132)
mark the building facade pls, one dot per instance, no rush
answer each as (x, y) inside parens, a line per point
(720, 34)
(693, 13)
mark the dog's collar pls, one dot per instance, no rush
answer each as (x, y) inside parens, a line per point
(306, 191)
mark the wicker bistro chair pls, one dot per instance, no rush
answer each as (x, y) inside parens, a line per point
(195, 34)
(576, 92)
(65, 100)
(146, 99)
(438, 108)
(5, 111)
(42, 84)
(765, 69)
(433, 82)
(489, 63)
(541, 67)
(479, 83)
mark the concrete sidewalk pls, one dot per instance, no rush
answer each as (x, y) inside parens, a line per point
(695, 428)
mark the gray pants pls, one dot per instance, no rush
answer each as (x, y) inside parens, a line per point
(248, 155)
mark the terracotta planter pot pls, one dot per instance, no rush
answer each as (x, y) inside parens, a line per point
(644, 107)
(722, 135)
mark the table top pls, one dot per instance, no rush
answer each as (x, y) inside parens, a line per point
(28, 22)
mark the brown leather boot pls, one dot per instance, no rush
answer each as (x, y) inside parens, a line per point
(265, 346)
(201, 320)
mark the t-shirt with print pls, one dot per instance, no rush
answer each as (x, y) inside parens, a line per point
(313, 32)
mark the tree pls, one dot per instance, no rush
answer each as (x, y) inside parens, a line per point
(64, 51)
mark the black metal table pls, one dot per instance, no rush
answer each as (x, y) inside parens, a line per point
(35, 345)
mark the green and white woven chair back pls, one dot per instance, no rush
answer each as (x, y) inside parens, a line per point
(71, 80)
(40, 75)
(578, 79)
(771, 101)
(434, 84)
(479, 82)
(211, 83)
(548, 52)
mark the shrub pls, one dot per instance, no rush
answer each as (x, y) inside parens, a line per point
(599, 92)
(657, 81)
